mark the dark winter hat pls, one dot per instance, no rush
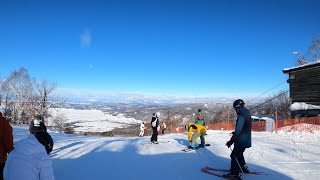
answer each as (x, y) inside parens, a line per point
(239, 103)
(45, 139)
(199, 110)
(37, 125)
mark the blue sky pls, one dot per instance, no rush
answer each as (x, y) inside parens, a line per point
(180, 48)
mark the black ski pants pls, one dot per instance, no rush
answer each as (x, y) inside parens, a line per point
(154, 136)
(237, 154)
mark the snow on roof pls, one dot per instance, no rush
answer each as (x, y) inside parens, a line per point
(302, 106)
(302, 66)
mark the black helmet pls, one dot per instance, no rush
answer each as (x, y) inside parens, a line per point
(45, 139)
(238, 105)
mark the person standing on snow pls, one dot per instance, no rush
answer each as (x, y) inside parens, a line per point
(201, 120)
(154, 126)
(241, 138)
(30, 158)
(195, 131)
(142, 128)
(6, 142)
(163, 127)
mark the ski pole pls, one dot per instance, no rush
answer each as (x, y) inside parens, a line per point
(237, 161)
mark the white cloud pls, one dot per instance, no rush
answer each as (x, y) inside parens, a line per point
(85, 39)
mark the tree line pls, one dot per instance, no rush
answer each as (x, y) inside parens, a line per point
(23, 97)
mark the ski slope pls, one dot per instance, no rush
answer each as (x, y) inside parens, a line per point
(279, 155)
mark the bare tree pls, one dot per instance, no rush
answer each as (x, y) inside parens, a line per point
(24, 97)
(279, 103)
(44, 91)
(59, 121)
(314, 49)
(312, 55)
(18, 90)
(223, 114)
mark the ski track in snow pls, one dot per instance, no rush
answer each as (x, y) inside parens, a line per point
(279, 155)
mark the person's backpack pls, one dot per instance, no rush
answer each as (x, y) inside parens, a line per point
(200, 116)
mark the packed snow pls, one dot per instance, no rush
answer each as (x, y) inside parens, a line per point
(278, 155)
(303, 127)
(91, 120)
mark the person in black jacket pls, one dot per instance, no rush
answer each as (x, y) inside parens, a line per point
(154, 126)
(241, 138)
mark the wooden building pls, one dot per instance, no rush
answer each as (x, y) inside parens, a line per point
(304, 83)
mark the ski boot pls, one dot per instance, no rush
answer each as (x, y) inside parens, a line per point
(202, 145)
(232, 176)
(245, 169)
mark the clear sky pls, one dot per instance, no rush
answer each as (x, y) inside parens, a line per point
(182, 48)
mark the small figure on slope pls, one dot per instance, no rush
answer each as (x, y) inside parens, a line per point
(241, 138)
(142, 128)
(195, 131)
(163, 127)
(201, 120)
(154, 126)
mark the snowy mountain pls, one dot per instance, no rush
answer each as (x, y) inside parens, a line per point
(144, 99)
(277, 155)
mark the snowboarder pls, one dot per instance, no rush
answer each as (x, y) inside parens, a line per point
(241, 138)
(30, 158)
(201, 119)
(195, 131)
(142, 128)
(154, 126)
(6, 142)
(163, 127)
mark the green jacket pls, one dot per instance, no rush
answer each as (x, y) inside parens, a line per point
(199, 121)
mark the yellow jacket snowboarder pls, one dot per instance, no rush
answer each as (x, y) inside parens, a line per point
(195, 131)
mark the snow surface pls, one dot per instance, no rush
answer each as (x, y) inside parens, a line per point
(279, 155)
(92, 120)
(302, 106)
(301, 128)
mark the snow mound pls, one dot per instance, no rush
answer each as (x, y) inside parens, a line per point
(302, 106)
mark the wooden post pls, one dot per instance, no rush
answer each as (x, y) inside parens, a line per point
(276, 115)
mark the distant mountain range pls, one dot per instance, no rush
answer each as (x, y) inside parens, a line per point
(145, 99)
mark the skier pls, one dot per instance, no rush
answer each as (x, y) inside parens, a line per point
(201, 119)
(142, 128)
(154, 126)
(241, 138)
(163, 127)
(30, 158)
(6, 142)
(195, 131)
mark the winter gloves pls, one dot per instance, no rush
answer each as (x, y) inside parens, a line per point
(232, 140)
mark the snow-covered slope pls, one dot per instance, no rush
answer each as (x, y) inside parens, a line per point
(279, 155)
(91, 120)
